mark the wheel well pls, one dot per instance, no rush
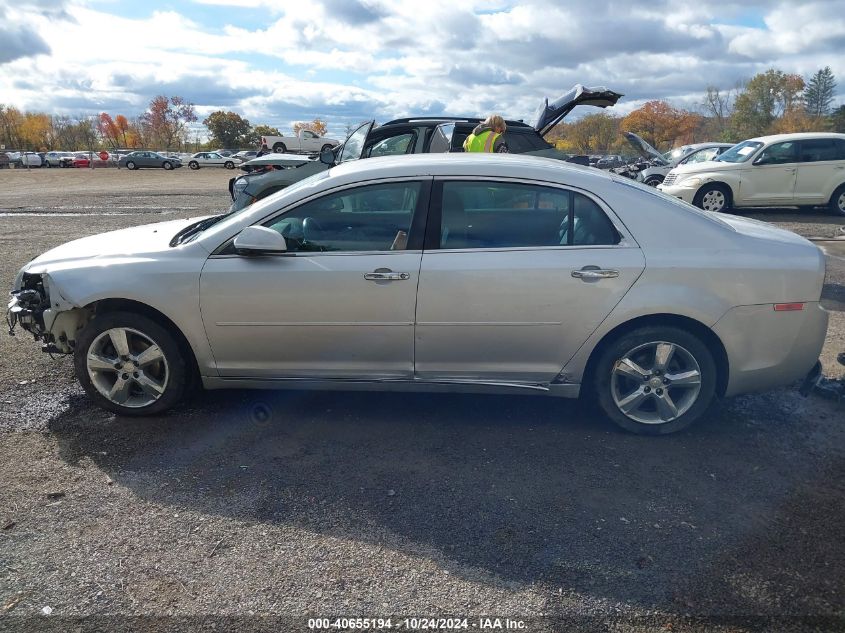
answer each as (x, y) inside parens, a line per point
(128, 305)
(722, 185)
(714, 344)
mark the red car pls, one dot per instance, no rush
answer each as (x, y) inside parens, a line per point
(81, 160)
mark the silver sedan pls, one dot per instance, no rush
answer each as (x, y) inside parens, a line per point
(454, 272)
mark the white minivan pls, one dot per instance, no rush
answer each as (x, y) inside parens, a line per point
(806, 169)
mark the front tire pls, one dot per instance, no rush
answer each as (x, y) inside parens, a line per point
(653, 181)
(129, 364)
(655, 380)
(714, 197)
(167, 165)
(229, 164)
(837, 201)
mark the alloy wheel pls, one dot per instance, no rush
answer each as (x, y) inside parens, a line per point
(656, 382)
(840, 203)
(713, 200)
(127, 367)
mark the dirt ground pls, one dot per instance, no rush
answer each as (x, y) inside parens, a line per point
(257, 510)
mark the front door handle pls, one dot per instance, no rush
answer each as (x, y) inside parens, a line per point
(592, 274)
(386, 275)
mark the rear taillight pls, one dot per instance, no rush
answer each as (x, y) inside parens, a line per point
(788, 307)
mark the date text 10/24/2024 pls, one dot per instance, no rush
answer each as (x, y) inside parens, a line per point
(416, 624)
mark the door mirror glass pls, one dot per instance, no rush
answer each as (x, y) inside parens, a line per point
(259, 240)
(327, 156)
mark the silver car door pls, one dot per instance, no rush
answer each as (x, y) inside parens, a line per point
(516, 279)
(338, 305)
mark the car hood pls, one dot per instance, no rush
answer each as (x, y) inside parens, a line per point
(705, 166)
(132, 243)
(644, 149)
(550, 114)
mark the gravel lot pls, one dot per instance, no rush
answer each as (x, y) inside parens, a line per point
(290, 505)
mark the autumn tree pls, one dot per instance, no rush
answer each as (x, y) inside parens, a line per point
(317, 126)
(11, 120)
(765, 98)
(661, 125)
(108, 130)
(819, 93)
(166, 120)
(227, 129)
(128, 135)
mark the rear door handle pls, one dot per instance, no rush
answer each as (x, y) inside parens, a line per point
(592, 274)
(386, 275)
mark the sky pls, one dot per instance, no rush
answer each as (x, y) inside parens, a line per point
(345, 61)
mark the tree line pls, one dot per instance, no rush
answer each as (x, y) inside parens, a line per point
(771, 102)
(166, 124)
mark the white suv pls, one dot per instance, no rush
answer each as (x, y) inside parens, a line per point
(783, 170)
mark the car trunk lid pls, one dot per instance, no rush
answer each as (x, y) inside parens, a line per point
(550, 114)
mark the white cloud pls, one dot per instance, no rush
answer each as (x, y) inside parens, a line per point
(346, 60)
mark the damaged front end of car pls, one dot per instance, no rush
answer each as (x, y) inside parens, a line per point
(38, 307)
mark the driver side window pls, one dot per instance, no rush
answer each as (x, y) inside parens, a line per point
(371, 218)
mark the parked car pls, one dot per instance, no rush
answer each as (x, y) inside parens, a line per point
(246, 155)
(806, 169)
(211, 159)
(661, 164)
(414, 135)
(136, 160)
(24, 159)
(608, 162)
(304, 142)
(493, 273)
(59, 159)
(82, 159)
(268, 174)
(4, 161)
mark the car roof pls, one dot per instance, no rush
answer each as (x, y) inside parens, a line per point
(797, 136)
(437, 120)
(467, 164)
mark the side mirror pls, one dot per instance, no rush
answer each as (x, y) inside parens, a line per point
(327, 156)
(259, 240)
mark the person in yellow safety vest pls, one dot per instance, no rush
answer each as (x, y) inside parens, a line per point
(488, 136)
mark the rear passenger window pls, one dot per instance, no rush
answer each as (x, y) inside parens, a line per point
(817, 150)
(497, 215)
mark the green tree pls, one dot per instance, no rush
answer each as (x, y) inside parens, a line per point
(765, 98)
(266, 130)
(837, 119)
(228, 129)
(819, 93)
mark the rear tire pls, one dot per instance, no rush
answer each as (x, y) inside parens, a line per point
(643, 395)
(714, 197)
(131, 165)
(280, 148)
(837, 201)
(168, 373)
(194, 165)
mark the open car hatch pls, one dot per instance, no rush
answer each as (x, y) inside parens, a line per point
(550, 114)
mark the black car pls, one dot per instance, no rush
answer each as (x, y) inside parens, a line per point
(418, 135)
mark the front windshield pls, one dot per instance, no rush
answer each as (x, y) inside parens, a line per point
(740, 153)
(674, 154)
